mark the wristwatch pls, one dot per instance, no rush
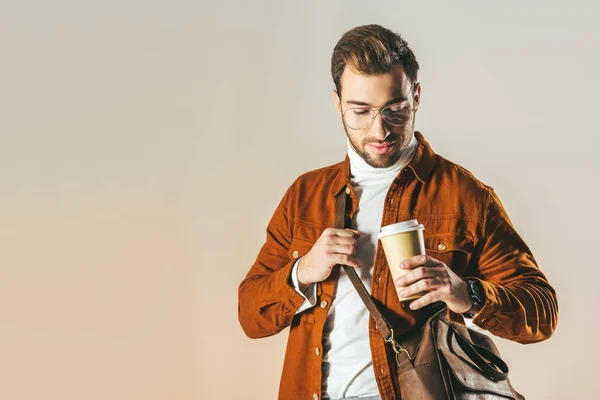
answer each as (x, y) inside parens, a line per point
(477, 294)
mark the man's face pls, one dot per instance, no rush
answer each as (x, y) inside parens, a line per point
(380, 144)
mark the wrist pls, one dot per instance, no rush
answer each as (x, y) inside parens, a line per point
(303, 283)
(473, 311)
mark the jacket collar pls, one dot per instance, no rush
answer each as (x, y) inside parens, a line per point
(421, 165)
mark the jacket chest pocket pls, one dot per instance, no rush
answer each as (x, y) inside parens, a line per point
(298, 248)
(453, 249)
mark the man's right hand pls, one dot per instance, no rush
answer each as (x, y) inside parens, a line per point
(335, 246)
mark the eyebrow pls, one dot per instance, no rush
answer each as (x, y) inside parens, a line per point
(392, 101)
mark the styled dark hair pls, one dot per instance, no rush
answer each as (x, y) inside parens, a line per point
(370, 50)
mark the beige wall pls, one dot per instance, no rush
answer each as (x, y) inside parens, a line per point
(145, 145)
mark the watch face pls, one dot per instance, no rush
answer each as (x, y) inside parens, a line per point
(476, 292)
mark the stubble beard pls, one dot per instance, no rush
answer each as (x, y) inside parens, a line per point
(382, 160)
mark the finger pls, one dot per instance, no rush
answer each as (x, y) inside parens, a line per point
(344, 232)
(330, 232)
(424, 285)
(416, 275)
(333, 240)
(420, 260)
(354, 231)
(343, 240)
(346, 260)
(343, 249)
(427, 299)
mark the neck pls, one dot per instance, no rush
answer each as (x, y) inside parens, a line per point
(360, 170)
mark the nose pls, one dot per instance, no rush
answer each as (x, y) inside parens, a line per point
(379, 129)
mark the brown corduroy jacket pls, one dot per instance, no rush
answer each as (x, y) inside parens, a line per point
(466, 227)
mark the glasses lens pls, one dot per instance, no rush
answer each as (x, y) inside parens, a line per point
(361, 118)
(396, 114)
(358, 118)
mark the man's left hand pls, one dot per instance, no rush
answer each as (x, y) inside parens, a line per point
(426, 274)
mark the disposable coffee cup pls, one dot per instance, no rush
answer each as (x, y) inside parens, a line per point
(402, 241)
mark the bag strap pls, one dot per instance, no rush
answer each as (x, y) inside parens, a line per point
(491, 365)
(476, 353)
(383, 326)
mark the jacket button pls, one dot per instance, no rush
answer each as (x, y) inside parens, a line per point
(347, 190)
(441, 247)
(295, 254)
(324, 304)
(317, 351)
(315, 396)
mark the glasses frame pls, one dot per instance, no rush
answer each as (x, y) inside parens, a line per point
(375, 111)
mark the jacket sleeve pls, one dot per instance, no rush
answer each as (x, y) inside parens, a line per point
(520, 304)
(266, 301)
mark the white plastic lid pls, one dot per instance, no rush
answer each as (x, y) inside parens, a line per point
(400, 227)
(405, 224)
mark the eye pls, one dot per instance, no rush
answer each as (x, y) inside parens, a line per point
(397, 107)
(359, 111)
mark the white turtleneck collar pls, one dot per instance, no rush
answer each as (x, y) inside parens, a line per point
(362, 173)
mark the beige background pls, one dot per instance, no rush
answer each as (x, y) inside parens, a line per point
(145, 144)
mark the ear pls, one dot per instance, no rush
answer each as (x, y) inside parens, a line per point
(337, 103)
(417, 95)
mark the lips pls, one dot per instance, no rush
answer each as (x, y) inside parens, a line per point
(383, 149)
(382, 146)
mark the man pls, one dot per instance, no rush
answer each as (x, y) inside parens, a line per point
(476, 262)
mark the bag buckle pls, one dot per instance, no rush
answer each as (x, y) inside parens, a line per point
(397, 348)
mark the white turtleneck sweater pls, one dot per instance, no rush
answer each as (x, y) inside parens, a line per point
(347, 365)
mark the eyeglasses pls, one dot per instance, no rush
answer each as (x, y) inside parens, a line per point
(359, 118)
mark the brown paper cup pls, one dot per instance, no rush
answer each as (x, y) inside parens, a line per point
(401, 241)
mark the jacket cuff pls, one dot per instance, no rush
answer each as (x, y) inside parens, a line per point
(284, 292)
(310, 295)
